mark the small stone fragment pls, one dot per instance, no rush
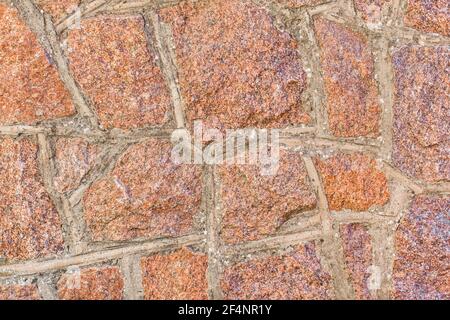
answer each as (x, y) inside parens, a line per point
(352, 181)
(105, 283)
(297, 275)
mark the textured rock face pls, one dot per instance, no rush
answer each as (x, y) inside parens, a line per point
(30, 89)
(371, 10)
(29, 223)
(74, 157)
(19, 292)
(352, 181)
(422, 112)
(255, 206)
(146, 195)
(104, 283)
(421, 268)
(352, 94)
(428, 16)
(110, 59)
(358, 257)
(294, 276)
(59, 8)
(177, 276)
(236, 68)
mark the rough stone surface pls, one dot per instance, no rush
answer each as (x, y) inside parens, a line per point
(30, 89)
(104, 283)
(29, 223)
(421, 268)
(352, 93)
(74, 157)
(255, 206)
(297, 275)
(146, 195)
(110, 58)
(352, 181)
(19, 292)
(59, 8)
(428, 16)
(422, 112)
(300, 3)
(372, 10)
(177, 276)
(236, 68)
(358, 257)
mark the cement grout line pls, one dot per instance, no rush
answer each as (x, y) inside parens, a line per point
(163, 34)
(131, 271)
(212, 234)
(272, 242)
(74, 225)
(88, 8)
(30, 268)
(332, 250)
(385, 78)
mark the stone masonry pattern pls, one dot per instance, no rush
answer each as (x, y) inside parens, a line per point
(92, 207)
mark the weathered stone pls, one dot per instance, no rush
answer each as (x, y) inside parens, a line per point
(297, 275)
(105, 283)
(372, 10)
(422, 112)
(176, 276)
(19, 292)
(236, 69)
(352, 93)
(30, 88)
(146, 195)
(110, 58)
(255, 206)
(421, 268)
(428, 16)
(352, 181)
(74, 157)
(60, 8)
(29, 223)
(358, 257)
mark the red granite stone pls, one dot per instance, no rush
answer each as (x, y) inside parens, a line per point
(236, 69)
(421, 267)
(30, 87)
(180, 275)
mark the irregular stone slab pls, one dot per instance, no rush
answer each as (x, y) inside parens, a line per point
(428, 16)
(19, 292)
(352, 93)
(353, 181)
(111, 60)
(30, 87)
(255, 206)
(145, 196)
(180, 275)
(422, 112)
(296, 275)
(357, 245)
(421, 267)
(236, 69)
(30, 226)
